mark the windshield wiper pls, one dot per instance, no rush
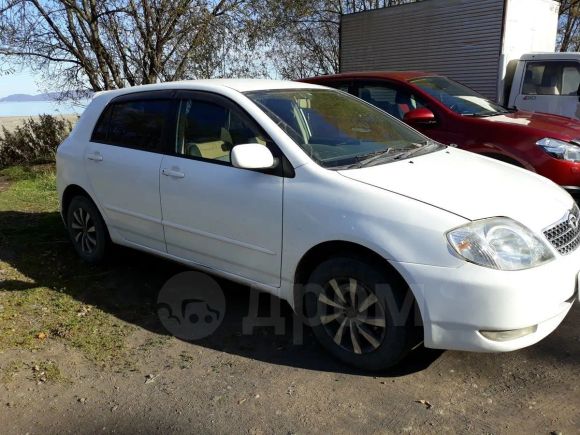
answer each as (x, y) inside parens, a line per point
(365, 159)
(406, 154)
(387, 156)
(485, 115)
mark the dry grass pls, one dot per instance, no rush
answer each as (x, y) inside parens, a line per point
(11, 122)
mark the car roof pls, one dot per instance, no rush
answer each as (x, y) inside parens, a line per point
(240, 85)
(403, 76)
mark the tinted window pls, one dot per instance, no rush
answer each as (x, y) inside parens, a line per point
(135, 124)
(210, 131)
(551, 78)
(101, 130)
(396, 102)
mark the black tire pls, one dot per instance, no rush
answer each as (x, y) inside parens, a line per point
(389, 318)
(87, 230)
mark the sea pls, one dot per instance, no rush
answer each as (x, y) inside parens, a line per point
(33, 108)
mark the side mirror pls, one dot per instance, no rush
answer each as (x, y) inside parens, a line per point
(252, 156)
(422, 116)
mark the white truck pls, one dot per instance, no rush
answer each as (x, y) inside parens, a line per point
(546, 82)
(503, 49)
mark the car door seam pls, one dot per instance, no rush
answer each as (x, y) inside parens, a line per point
(220, 238)
(161, 201)
(133, 214)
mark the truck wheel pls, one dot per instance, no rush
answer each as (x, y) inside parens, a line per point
(360, 313)
(87, 230)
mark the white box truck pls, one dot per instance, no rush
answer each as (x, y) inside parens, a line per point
(503, 49)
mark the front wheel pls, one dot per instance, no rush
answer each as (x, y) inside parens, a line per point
(360, 312)
(87, 230)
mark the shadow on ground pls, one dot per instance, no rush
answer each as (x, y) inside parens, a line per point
(127, 286)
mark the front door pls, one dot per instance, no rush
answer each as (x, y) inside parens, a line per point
(214, 214)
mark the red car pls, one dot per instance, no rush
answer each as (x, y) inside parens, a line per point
(453, 114)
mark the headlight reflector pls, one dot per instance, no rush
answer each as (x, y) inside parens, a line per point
(560, 149)
(499, 243)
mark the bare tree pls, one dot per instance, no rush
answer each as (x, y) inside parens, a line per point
(108, 44)
(569, 25)
(306, 42)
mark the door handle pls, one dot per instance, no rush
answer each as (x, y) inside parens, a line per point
(97, 157)
(172, 173)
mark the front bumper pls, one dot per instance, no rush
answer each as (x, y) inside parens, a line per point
(457, 303)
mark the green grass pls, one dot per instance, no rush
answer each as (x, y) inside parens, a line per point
(47, 371)
(46, 293)
(32, 189)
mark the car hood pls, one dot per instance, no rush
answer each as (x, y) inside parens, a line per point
(552, 125)
(471, 186)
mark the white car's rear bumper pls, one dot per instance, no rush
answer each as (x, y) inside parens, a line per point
(458, 303)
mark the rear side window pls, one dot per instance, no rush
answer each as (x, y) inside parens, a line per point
(395, 101)
(102, 128)
(139, 124)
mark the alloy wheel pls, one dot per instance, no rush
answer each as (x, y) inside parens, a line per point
(352, 315)
(84, 231)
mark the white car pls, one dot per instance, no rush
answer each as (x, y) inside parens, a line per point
(372, 230)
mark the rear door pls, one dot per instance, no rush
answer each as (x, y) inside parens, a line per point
(123, 161)
(214, 214)
(550, 87)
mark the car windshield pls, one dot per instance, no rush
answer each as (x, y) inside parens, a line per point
(339, 131)
(458, 98)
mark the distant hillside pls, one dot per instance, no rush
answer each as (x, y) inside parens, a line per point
(48, 96)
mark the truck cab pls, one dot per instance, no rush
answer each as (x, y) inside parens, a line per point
(547, 82)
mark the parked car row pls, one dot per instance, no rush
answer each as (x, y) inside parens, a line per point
(379, 235)
(453, 114)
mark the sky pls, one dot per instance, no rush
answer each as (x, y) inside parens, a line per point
(21, 82)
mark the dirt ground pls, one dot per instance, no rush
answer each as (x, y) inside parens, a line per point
(262, 383)
(83, 351)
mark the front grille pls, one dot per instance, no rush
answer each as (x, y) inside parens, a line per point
(565, 235)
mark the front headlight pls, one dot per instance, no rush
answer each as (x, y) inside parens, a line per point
(499, 243)
(560, 149)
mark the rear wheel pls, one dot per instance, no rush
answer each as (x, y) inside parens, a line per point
(360, 313)
(87, 230)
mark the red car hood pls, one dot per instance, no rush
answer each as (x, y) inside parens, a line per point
(562, 127)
